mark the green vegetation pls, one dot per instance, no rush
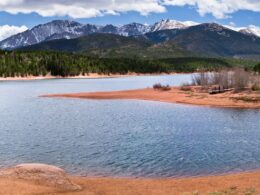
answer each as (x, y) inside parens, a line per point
(242, 63)
(83, 45)
(160, 44)
(256, 86)
(35, 63)
(66, 64)
(257, 68)
(192, 64)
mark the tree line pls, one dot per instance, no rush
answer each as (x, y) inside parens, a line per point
(41, 63)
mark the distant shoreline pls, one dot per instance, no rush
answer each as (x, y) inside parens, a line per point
(191, 96)
(89, 76)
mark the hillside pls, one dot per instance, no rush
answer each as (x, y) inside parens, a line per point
(209, 39)
(91, 42)
(216, 40)
(205, 40)
(66, 29)
(112, 46)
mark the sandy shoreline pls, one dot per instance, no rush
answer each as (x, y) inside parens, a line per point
(31, 78)
(238, 183)
(241, 183)
(89, 76)
(176, 95)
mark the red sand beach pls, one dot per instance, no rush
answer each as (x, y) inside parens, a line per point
(38, 179)
(245, 99)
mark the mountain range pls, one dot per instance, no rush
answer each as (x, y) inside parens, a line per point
(64, 29)
(167, 38)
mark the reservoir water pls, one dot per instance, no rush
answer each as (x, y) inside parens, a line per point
(123, 138)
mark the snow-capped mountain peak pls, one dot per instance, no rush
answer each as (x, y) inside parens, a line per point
(133, 29)
(213, 27)
(251, 30)
(43, 32)
(66, 29)
(168, 24)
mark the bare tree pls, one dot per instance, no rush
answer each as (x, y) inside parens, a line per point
(240, 79)
(223, 79)
(236, 78)
(201, 79)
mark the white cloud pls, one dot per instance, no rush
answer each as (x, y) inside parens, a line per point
(218, 8)
(7, 31)
(81, 8)
(93, 8)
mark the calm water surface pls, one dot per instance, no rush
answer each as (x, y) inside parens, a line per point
(123, 138)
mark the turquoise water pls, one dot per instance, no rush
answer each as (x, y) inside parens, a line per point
(125, 138)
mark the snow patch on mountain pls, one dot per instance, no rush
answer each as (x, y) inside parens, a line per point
(167, 24)
(41, 32)
(251, 30)
(65, 29)
(133, 29)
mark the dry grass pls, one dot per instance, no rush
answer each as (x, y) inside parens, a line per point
(247, 99)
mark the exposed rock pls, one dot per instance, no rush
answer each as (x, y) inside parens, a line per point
(41, 174)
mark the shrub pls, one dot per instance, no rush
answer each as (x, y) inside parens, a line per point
(159, 86)
(257, 68)
(250, 191)
(256, 87)
(186, 87)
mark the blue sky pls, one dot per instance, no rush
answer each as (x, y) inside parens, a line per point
(17, 15)
(240, 18)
